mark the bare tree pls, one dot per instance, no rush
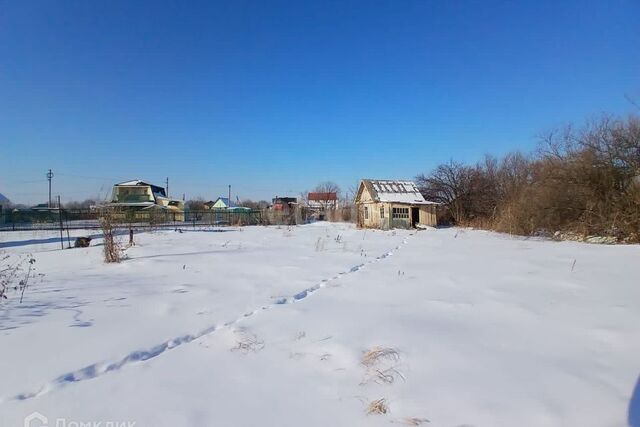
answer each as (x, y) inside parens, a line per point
(248, 203)
(449, 184)
(85, 204)
(329, 194)
(196, 204)
(327, 187)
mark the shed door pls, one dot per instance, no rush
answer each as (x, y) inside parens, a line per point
(415, 216)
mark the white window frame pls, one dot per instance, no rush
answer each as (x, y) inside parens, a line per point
(400, 213)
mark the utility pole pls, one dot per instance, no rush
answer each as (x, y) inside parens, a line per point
(49, 176)
(229, 196)
(167, 186)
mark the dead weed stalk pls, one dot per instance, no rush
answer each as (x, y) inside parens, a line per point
(378, 407)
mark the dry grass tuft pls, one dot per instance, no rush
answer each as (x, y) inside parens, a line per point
(379, 354)
(381, 364)
(383, 376)
(413, 421)
(247, 342)
(378, 406)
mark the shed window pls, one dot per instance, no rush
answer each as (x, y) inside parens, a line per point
(382, 212)
(366, 212)
(400, 213)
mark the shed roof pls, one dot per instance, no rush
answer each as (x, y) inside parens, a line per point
(395, 191)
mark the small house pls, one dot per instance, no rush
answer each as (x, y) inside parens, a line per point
(225, 211)
(387, 204)
(284, 205)
(220, 203)
(321, 203)
(322, 200)
(140, 196)
(284, 211)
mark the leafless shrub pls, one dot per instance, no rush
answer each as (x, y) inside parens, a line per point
(15, 275)
(346, 212)
(155, 218)
(112, 250)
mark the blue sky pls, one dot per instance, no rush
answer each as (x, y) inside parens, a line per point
(276, 96)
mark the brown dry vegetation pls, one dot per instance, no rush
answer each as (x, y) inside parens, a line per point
(108, 224)
(378, 406)
(584, 181)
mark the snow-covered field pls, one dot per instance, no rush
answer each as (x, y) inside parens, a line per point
(266, 326)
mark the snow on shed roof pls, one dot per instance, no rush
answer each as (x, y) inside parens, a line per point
(395, 191)
(135, 182)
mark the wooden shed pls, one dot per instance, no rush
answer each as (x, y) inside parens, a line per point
(387, 204)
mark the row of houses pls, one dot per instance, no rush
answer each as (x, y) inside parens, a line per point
(144, 197)
(383, 204)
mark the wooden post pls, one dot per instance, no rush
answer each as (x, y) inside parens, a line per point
(60, 219)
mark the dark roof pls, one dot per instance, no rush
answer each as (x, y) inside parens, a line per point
(284, 200)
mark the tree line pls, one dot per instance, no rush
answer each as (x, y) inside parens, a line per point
(583, 180)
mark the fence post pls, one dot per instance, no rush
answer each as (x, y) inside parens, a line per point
(66, 219)
(60, 219)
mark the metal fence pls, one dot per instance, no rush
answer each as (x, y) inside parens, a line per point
(74, 219)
